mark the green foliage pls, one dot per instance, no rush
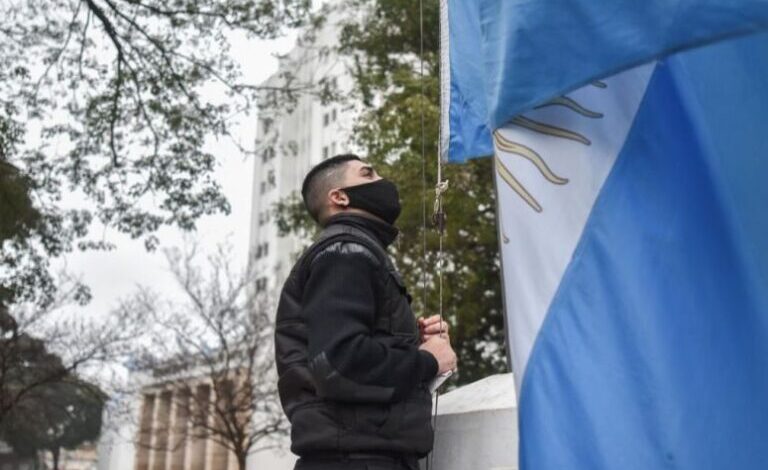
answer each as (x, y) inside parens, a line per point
(18, 216)
(291, 217)
(113, 101)
(17, 213)
(42, 348)
(25, 364)
(43, 405)
(59, 415)
(383, 45)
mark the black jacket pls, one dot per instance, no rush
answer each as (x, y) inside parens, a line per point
(351, 376)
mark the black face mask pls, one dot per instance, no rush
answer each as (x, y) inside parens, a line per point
(380, 198)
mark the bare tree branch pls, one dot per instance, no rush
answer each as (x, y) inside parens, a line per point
(221, 340)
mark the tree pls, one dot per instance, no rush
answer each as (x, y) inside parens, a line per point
(64, 414)
(18, 218)
(383, 48)
(25, 365)
(210, 356)
(113, 100)
(40, 347)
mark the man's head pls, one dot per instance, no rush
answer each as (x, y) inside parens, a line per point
(340, 184)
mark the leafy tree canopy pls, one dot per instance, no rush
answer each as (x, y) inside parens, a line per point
(25, 364)
(113, 100)
(65, 414)
(385, 48)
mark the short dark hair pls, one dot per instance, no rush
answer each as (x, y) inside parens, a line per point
(322, 178)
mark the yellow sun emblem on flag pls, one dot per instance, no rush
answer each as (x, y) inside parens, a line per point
(516, 148)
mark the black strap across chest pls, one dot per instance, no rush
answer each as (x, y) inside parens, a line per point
(344, 233)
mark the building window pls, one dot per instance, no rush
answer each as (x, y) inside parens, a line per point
(271, 178)
(293, 147)
(267, 154)
(266, 125)
(326, 119)
(263, 188)
(325, 152)
(261, 284)
(262, 250)
(333, 114)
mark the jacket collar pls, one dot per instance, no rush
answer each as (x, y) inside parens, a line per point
(382, 231)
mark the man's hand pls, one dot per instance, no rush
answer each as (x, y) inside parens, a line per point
(432, 327)
(441, 349)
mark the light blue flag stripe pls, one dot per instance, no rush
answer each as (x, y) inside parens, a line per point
(468, 132)
(654, 353)
(508, 56)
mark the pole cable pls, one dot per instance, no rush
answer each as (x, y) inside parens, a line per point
(424, 195)
(438, 217)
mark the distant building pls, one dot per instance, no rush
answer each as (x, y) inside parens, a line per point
(84, 457)
(162, 434)
(290, 143)
(158, 433)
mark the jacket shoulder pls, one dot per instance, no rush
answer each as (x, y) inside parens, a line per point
(347, 248)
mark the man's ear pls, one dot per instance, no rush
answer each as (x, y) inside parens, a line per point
(338, 197)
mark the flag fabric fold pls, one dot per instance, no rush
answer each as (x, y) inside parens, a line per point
(631, 153)
(508, 56)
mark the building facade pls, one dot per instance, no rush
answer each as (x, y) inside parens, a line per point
(165, 440)
(293, 137)
(170, 424)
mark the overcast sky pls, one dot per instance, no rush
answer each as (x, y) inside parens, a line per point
(115, 274)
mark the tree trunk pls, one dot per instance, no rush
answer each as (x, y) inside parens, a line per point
(241, 460)
(55, 453)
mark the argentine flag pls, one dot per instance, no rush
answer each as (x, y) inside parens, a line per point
(631, 160)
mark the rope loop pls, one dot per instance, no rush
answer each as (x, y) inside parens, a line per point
(438, 215)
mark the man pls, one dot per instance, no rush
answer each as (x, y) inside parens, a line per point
(353, 363)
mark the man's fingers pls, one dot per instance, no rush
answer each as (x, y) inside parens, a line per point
(436, 335)
(436, 328)
(436, 322)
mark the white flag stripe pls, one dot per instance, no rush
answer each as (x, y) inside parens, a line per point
(542, 216)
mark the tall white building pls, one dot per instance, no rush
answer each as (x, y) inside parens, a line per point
(290, 142)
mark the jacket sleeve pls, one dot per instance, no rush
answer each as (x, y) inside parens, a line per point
(346, 361)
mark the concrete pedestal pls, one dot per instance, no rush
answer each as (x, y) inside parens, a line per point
(477, 427)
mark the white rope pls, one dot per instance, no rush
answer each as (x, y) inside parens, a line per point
(424, 198)
(440, 188)
(423, 165)
(439, 220)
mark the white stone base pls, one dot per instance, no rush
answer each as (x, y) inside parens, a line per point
(477, 427)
